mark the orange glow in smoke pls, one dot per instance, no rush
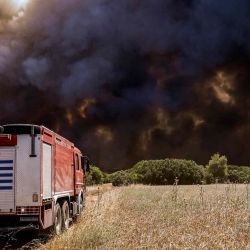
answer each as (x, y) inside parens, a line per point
(69, 117)
(105, 133)
(223, 86)
(162, 123)
(84, 107)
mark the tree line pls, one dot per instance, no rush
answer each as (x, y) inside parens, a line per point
(170, 171)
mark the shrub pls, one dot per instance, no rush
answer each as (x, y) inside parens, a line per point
(217, 166)
(122, 178)
(239, 174)
(162, 172)
(95, 177)
(208, 177)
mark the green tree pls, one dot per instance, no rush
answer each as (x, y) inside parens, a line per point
(96, 176)
(162, 172)
(217, 166)
(239, 174)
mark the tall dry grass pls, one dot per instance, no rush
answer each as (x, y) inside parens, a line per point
(164, 217)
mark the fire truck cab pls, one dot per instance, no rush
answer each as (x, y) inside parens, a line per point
(42, 179)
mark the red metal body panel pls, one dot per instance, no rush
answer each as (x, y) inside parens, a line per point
(64, 169)
(8, 140)
(66, 176)
(48, 137)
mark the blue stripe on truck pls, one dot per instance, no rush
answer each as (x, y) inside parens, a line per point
(6, 181)
(6, 175)
(6, 188)
(6, 161)
(6, 168)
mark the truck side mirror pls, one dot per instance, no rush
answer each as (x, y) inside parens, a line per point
(1, 129)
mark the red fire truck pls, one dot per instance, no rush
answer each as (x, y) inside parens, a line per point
(41, 179)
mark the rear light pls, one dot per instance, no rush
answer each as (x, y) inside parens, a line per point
(27, 210)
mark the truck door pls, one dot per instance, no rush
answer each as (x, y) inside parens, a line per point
(78, 174)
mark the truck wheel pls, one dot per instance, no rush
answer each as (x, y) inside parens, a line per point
(58, 219)
(65, 215)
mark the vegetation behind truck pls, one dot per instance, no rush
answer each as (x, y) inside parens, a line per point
(42, 182)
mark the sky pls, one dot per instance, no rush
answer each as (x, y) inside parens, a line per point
(130, 80)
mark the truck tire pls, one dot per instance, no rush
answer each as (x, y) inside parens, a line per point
(58, 219)
(65, 215)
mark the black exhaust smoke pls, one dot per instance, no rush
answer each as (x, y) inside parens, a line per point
(130, 80)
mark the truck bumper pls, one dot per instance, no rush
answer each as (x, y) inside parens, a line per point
(18, 223)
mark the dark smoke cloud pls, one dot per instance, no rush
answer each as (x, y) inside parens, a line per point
(130, 80)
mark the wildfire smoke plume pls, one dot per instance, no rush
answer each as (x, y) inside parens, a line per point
(130, 80)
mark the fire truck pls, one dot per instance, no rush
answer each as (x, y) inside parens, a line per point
(42, 179)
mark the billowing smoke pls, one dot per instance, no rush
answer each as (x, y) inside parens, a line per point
(133, 79)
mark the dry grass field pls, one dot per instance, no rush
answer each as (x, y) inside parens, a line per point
(163, 217)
